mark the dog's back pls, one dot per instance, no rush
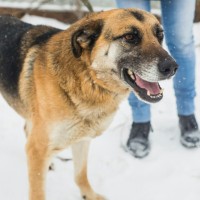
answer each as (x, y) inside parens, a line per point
(16, 38)
(11, 33)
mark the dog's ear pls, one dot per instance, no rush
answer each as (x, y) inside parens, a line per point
(85, 37)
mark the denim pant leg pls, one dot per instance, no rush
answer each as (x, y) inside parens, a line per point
(141, 4)
(140, 110)
(178, 22)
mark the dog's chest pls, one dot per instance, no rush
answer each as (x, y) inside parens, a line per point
(68, 131)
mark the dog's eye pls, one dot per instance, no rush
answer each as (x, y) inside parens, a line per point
(129, 37)
(133, 37)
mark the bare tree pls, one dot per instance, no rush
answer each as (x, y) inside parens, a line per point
(88, 5)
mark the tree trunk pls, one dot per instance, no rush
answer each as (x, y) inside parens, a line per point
(197, 13)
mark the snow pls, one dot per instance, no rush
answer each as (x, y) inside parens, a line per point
(170, 172)
(55, 6)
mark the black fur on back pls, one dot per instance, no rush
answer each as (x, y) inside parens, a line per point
(12, 32)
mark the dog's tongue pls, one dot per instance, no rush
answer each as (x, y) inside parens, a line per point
(151, 87)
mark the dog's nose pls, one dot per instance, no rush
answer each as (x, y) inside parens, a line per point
(168, 67)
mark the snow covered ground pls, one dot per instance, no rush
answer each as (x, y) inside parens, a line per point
(170, 172)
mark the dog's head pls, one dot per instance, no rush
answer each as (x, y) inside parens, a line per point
(123, 48)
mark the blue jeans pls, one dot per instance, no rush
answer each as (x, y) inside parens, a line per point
(177, 18)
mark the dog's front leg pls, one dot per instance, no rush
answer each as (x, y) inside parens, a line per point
(80, 155)
(38, 162)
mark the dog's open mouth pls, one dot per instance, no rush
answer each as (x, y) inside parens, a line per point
(147, 91)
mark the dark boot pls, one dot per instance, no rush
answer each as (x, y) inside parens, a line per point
(190, 134)
(138, 143)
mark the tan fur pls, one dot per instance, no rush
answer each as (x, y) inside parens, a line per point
(67, 102)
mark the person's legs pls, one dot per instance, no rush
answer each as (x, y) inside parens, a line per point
(140, 110)
(138, 144)
(178, 25)
(141, 4)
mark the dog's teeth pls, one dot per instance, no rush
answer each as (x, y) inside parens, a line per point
(154, 96)
(132, 77)
(130, 72)
(161, 91)
(148, 93)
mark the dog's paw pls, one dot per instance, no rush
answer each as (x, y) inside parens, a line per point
(51, 167)
(93, 197)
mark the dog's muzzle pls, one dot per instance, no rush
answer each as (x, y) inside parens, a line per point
(149, 91)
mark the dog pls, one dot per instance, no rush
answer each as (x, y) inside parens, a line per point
(67, 84)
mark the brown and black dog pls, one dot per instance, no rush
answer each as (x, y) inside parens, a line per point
(68, 84)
